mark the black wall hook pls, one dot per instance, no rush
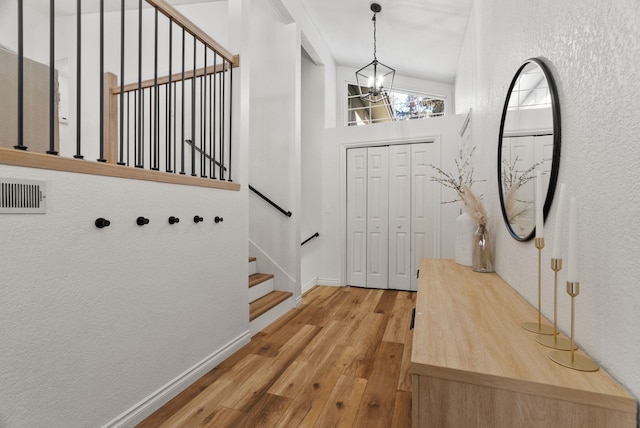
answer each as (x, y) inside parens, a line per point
(102, 222)
(141, 221)
(198, 219)
(218, 219)
(173, 220)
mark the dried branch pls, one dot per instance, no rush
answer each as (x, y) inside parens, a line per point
(461, 182)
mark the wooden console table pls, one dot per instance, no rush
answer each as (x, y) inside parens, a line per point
(472, 364)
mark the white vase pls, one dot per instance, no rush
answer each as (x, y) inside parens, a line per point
(465, 229)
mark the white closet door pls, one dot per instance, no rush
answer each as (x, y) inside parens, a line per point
(377, 217)
(400, 217)
(522, 157)
(422, 207)
(543, 152)
(357, 217)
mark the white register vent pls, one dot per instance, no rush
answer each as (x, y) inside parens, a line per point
(22, 196)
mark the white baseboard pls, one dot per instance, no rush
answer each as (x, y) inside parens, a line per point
(153, 402)
(309, 285)
(330, 282)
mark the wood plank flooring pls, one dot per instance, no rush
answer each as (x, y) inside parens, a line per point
(341, 359)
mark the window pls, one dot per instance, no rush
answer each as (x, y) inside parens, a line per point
(398, 106)
(531, 90)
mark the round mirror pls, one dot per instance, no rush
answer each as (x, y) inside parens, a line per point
(529, 142)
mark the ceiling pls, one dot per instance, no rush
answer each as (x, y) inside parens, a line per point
(419, 38)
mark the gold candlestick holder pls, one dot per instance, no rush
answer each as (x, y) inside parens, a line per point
(538, 327)
(554, 341)
(570, 358)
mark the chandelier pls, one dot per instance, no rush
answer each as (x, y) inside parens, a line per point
(374, 77)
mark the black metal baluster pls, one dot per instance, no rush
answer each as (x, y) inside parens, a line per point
(101, 159)
(182, 127)
(203, 115)
(174, 127)
(121, 154)
(151, 128)
(169, 95)
(78, 154)
(213, 100)
(230, 115)
(193, 111)
(156, 101)
(167, 112)
(140, 149)
(128, 126)
(201, 125)
(52, 79)
(141, 127)
(136, 133)
(222, 120)
(211, 154)
(20, 145)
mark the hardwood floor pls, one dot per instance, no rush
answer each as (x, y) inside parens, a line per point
(339, 360)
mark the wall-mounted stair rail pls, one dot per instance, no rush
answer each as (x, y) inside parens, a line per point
(273, 204)
(174, 117)
(315, 235)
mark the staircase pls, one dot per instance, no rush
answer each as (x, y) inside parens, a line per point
(267, 304)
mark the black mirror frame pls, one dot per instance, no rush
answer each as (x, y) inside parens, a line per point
(555, 163)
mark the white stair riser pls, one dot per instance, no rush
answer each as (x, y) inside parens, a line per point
(260, 290)
(273, 314)
(253, 267)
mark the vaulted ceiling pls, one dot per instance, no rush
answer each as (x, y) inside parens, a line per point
(419, 38)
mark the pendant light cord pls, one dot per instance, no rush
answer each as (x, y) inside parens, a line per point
(374, 35)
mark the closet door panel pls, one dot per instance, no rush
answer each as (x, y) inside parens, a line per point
(357, 217)
(422, 207)
(400, 217)
(377, 217)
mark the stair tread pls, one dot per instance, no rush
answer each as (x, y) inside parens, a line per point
(258, 278)
(265, 303)
(252, 259)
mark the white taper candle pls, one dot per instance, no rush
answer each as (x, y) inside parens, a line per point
(572, 262)
(539, 205)
(557, 234)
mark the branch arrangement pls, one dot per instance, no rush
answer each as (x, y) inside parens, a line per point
(461, 182)
(512, 181)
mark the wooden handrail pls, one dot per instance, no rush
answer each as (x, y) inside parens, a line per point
(170, 12)
(175, 77)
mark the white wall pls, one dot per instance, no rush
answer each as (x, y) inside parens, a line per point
(280, 154)
(443, 130)
(312, 125)
(274, 140)
(103, 326)
(96, 320)
(36, 24)
(592, 49)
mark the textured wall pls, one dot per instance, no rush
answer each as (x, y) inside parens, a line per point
(92, 321)
(592, 48)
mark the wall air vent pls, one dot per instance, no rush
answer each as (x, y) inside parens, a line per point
(22, 196)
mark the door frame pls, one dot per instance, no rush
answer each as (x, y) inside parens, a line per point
(437, 191)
